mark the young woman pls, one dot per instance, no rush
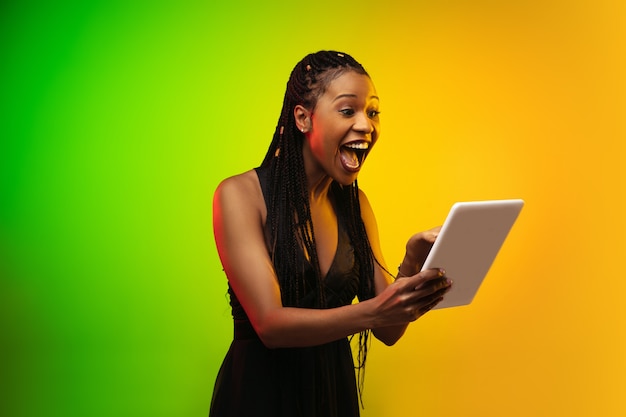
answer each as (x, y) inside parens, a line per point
(298, 242)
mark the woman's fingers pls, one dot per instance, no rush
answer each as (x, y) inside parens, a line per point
(418, 247)
(409, 298)
(430, 306)
(430, 289)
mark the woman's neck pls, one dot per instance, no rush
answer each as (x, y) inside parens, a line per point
(318, 181)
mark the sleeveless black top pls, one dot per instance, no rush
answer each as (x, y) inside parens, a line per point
(316, 381)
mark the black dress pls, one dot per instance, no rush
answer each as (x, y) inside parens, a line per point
(316, 381)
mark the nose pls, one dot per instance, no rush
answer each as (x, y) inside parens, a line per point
(363, 123)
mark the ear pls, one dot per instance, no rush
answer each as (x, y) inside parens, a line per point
(303, 118)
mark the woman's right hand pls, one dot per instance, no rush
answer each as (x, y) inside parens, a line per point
(407, 299)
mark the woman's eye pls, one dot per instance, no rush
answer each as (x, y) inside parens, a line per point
(346, 112)
(373, 113)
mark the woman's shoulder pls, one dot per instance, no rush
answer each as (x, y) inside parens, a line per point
(240, 182)
(367, 212)
(241, 189)
(363, 200)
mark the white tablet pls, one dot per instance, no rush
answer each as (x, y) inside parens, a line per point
(468, 243)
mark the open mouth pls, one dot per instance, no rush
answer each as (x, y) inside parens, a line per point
(353, 154)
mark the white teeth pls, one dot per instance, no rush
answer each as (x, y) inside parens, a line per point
(358, 145)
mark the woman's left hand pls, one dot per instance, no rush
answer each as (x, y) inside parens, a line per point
(417, 249)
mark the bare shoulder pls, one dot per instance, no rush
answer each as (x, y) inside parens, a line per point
(241, 193)
(239, 184)
(369, 219)
(366, 208)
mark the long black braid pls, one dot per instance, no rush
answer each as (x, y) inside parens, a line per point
(289, 215)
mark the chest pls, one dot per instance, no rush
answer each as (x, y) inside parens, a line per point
(325, 228)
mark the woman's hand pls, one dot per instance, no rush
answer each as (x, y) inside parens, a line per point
(417, 249)
(409, 298)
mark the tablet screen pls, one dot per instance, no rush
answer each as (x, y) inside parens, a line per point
(469, 242)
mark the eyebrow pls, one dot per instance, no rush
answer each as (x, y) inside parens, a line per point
(352, 96)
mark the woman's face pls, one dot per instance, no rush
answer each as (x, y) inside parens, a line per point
(343, 127)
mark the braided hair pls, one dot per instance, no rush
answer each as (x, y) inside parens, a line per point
(289, 220)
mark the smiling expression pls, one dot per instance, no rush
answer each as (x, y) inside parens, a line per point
(342, 128)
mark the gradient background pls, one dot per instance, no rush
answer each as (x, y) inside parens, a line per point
(119, 119)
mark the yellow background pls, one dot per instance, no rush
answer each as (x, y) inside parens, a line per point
(122, 117)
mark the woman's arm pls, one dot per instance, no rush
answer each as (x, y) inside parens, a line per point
(238, 214)
(417, 249)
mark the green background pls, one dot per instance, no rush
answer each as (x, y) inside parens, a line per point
(112, 115)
